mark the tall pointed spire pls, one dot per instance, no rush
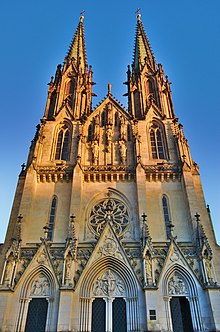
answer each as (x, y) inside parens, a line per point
(142, 49)
(77, 50)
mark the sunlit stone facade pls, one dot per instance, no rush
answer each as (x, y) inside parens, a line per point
(109, 230)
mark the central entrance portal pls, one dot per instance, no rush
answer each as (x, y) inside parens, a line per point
(181, 315)
(109, 315)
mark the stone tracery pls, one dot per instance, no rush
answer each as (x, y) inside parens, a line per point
(110, 210)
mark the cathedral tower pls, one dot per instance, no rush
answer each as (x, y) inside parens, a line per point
(109, 230)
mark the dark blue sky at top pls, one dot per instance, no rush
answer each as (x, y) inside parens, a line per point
(184, 36)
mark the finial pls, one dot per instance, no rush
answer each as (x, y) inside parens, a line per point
(144, 217)
(72, 218)
(82, 15)
(23, 167)
(19, 218)
(109, 89)
(138, 12)
(197, 217)
(46, 231)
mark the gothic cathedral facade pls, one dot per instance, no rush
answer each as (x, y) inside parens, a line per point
(109, 230)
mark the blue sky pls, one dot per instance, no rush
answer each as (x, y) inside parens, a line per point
(184, 36)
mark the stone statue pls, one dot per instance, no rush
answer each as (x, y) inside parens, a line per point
(123, 129)
(68, 270)
(109, 134)
(8, 270)
(95, 151)
(208, 266)
(123, 150)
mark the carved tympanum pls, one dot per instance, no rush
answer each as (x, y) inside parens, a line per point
(109, 284)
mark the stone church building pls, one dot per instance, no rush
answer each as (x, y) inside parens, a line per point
(109, 230)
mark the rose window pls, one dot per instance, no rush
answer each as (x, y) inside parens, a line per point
(109, 210)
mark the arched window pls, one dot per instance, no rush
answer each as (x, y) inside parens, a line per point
(103, 118)
(52, 218)
(129, 132)
(69, 88)
(166, 214)
(62, 149)
(90, 132)
(52, 105)
(156, 140)
(117, 120)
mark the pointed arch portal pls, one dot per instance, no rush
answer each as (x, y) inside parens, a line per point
(109, 292)
(181, 300)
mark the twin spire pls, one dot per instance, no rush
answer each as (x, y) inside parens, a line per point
(142, 49)
(77, 50)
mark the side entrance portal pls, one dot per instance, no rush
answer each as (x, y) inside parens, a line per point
(181, 315)
(37, 315)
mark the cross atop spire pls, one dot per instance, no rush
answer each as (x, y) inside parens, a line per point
(142, 49)
(77, 50)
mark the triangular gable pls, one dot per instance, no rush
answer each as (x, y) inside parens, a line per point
(174, 257)
(64, 111)
(154, 112)
(108, 246)
(115, 104)
(40, 259)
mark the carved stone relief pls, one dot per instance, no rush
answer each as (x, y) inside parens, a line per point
(176, 286)
(40, 286)
(109, 284)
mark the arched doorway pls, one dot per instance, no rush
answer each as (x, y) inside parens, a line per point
(39, 301)
(119, 316)
(98, 315)
(109, 290)
(180, 314)
(110, 313)
(181, 300)
(37, 315)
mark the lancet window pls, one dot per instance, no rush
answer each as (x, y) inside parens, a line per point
(62, 147)
(129, 132)
(52, 217)
(69, 88)
(157, 143)
(90, 132)
(166, 214)
(103, 118)
(52, 104)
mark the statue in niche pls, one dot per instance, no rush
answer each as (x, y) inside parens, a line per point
(148, 268)
(95, 151)
(123, 129)
(208, 266)
(9, 270)
(123, 150)
(109, 134)
(68, 269)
